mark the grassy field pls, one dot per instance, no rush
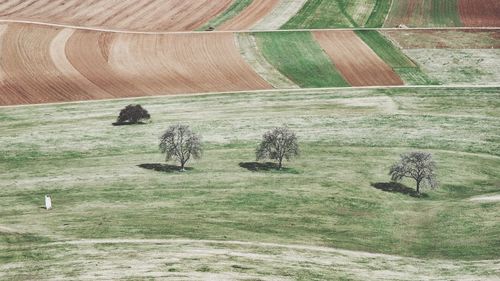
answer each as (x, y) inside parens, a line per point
(379, 13)
(394, 57)
(331, 13)
(228, 14)
(300, 58)
(326, 198)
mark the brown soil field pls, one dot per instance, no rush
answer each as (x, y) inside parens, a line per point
(45, 64)
(144, 15)
(480, 12)
(358, 64)
(446, 39)
(250, 16)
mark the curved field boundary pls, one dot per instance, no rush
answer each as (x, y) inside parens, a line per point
(358, 64)
(480, 12)
(300, 58)
(424, 13)
(280, 15)
(250, 51)
(250, 16)
(146, 15)
(46, 65)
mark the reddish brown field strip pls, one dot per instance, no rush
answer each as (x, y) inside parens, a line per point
(143, 15)
(43, 64)
(255, 12)
(482, 13)
(358, 64)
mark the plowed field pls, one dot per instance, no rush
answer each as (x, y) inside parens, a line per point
(144, 15)
(480, 12)
(358, 64)
(43, 64)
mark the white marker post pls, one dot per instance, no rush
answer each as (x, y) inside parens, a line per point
(48, 202)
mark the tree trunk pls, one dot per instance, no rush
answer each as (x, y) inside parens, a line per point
(182, 166)
(280, 163)
(418, 187)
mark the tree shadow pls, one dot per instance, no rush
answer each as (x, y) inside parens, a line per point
(165, 168)
(265, 167)
(128, 123)
(396, 187)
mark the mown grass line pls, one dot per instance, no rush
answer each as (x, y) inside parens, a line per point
(395, 58)
(231, 12)
(300, 58)
(379, 12)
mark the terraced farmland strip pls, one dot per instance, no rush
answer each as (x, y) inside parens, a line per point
(280, 15)
(424, 13)
(231, 12)
(357, 63)
(28, 73)
(250, 16)
(392, 55)
(379, 13)
(250, 51)
(147, 15)
(300, 58)
(480, 12)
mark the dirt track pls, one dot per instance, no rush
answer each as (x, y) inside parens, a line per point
(480, 12)
(251, 15)
(45, 64)
(144, 15)
(358, 64)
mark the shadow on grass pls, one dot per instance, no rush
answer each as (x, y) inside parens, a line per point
(166, 168)
(127, 123)
(266, 167)
(396, 187)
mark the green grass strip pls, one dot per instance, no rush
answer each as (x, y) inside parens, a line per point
(300, 58)
(321, 14)
(380, 11)
(231, 12)
(394, 57)
(445, 13)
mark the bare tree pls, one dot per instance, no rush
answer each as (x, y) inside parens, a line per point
(417, 165)
(180, 143)
(132, 114)
(278, 144)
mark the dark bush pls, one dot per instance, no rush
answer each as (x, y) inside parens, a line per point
(132, 114)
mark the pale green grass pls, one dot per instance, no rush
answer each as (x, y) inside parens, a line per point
(237, 7)
(349, 139)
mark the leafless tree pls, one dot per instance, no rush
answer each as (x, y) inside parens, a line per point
(180, 143)
(132, 114)
(278, 144)
(417, 165)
